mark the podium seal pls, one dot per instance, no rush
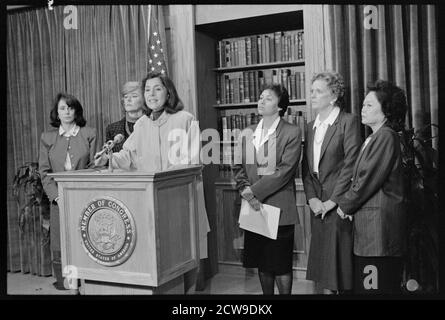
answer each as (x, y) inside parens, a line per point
(107, 231)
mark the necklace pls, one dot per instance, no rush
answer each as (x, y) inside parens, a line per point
(127, 129)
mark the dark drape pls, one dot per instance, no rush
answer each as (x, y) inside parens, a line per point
(91, 62)
(403, 49)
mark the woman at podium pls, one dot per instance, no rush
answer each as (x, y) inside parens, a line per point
(165, 138)
(70, 145)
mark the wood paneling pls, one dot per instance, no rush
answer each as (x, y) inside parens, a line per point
(205, 55)
(216, 13)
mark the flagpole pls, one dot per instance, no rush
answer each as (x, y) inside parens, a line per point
(148, 30)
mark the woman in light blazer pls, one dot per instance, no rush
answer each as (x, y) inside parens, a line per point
(331, 148)
(375, 198)
(70, 145)
(264, 171)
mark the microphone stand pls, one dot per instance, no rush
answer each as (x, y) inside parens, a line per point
(110, 161)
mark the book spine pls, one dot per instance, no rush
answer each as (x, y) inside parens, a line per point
(264, 48)
(267, 47)
(257, 85)
(243, 52)
(236, 53)
(297, 80)
(275, 75)
(252, 86)
(302, 45)
(231, 91)
(254, 44)
(225, 134)
(236, 90)
(241, 87)
(248, 51)
(261, 81)
(278, 46)
(246, 86)
(227, 54)
(292, 87)
(260, 51)
(283, 43)
(227, 90)
(218, 89)
(286, 48)
(303, 85)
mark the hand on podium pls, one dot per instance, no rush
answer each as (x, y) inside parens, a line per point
(101, 158)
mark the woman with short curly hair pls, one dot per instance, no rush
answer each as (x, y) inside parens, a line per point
(375, 198)
(331, 149)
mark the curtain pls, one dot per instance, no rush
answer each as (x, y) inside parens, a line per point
(92, 62)
(403, 49)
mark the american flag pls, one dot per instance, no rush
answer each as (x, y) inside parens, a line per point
(156, 54)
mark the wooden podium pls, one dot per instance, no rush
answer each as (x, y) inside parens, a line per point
(127, 232)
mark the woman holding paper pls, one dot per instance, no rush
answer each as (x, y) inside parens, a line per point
(331, 148)
(264, 170)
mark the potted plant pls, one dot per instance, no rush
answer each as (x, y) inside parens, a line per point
(33, 218)
(420, 167)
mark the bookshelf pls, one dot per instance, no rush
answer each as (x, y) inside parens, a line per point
(214, 43)
(244, 64)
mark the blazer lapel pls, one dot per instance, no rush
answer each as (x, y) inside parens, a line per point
(328, 136)
(310, 148)
(360, 155)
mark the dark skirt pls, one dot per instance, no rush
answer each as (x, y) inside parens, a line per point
(378, 275)
(330, 254)
(268, 255)
(54, 228)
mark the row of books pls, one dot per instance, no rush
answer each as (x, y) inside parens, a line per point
(237, 121)
(262, 48)
(245, 86)
(241, 121)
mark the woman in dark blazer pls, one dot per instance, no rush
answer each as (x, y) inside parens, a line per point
(264, 171)
(332, 144)
(70, 145)
(375, 198)
(132, 102)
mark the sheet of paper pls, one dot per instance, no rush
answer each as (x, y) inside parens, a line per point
(264, 222)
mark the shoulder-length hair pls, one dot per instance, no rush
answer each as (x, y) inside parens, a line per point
(393, 102)
(73, 103)
(173, 104)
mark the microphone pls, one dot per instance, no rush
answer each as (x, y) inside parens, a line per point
(109, 145)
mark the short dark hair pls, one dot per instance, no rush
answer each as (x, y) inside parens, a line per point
(335, 83)
(173, 104)
(73, 103)
(393, 102)
(282, 94)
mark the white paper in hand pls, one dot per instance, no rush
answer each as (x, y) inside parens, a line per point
(264, 222)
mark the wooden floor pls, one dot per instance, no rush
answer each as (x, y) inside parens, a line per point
(229, 280)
